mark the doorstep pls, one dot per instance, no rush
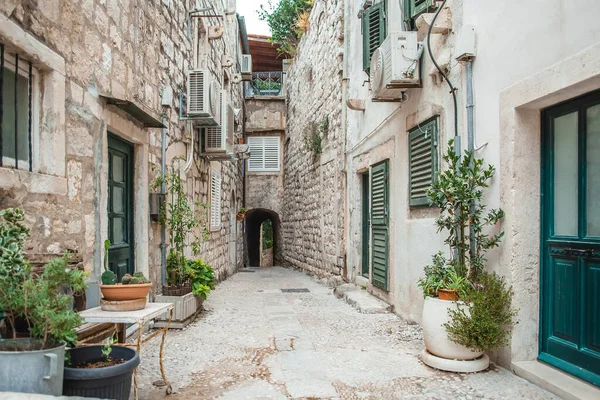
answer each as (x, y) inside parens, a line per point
(360, 299)
(555, 381)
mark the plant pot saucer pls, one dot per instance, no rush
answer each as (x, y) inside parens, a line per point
(445, 364)
(123, 305)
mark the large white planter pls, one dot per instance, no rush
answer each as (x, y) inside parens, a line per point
(186, 308)
(435, 315)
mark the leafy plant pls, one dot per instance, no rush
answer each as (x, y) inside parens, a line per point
(288, 21)
(182, 222)
(45, 301)
(202, 277)
(267, 234)
(458, 192)
(313, 141)
(442, 274)
(484, 322)
(106, 350)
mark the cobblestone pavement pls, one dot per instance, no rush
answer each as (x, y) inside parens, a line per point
(255, 342)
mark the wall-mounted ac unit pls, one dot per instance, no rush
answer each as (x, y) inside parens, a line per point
(395, 66)
(220, 138)
(203, 97)
(246, 67)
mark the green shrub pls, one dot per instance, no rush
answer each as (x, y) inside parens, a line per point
(202, 277)
(288, 21)
(485, 323)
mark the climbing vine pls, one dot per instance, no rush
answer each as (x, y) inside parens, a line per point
(314, 135)
(288, 21)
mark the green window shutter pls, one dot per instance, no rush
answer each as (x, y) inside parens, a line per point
(422, 161)
(419, 6)
(374, 31)
(379, 224)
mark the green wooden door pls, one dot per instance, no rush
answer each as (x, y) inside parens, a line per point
(120, 206)
(570, 306)
(379, 224)
(366, 226)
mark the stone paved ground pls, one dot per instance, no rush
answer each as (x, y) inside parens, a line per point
(255, 342)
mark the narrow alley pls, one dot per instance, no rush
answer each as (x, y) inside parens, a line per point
(256, 342)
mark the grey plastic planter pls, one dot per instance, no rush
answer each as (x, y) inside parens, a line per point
(31, 371)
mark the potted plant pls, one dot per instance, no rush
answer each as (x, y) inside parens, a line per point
(128, 295)
(461, 299)
(240, 214)
(182, 221)
(101, 371)
(44, 302)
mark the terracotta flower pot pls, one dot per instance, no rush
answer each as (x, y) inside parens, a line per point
(121, 292)
(447, 294)
(240, 216)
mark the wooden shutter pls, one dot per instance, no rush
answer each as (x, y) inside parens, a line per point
(379, 224)
(422, 161)
(374, 31)
(264, 153)
(215, 200)
(419, 7)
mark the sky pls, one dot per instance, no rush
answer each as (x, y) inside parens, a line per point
(247, 8)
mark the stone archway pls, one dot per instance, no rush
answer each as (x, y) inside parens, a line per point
(254, 221)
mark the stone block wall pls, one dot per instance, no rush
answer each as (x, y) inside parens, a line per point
(131, 50)
(313, 221)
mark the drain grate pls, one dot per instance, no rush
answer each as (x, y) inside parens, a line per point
(246, 270)
(300, 290)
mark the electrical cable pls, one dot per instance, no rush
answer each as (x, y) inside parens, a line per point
(452, 88)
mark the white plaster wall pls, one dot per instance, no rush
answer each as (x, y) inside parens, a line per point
(515, 41)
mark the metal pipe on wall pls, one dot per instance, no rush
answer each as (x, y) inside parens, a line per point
(163, 191)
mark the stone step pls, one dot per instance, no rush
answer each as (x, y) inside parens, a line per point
(360, 299)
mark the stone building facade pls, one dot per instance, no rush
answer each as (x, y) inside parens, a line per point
(85, 56)
(314, 182)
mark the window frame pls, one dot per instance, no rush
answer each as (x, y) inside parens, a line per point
(264, 168)
(433, 122)
(10, 63)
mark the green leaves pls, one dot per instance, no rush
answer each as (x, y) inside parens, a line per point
(45, 300)
(484, 323)
(283, 20)
(201, 275)
(458, 192)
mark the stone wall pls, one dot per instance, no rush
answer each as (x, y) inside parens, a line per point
(128, 49)
(313, 221)
(265, 116)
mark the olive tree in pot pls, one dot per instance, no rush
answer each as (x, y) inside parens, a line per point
(187, 279)
(467, 311)
(35, 364)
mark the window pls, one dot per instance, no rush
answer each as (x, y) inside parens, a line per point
(422, 161)
(215, 200)
(374, 30)
(18, 79)
(264, 154)
(414, 8)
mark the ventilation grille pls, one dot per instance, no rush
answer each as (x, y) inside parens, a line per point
(195, 97)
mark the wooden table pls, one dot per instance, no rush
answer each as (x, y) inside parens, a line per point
(119, 318)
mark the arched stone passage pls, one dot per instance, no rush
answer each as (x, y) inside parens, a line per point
(254, 221)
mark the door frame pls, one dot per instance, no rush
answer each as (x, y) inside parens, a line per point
(546, 217)
(366, 224)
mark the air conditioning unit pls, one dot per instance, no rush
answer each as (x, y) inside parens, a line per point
(395, 66)
(246, 67)
(220, 138)
(203, 97)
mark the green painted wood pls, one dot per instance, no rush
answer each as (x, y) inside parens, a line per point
(422, 156)
(374, 29)
(418, 7)
(380, 224)
(570, 253)
(366, 226)
(120, 206)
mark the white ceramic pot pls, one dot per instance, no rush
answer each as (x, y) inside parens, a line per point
(435, 315)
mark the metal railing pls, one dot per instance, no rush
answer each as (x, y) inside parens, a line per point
(266, 84)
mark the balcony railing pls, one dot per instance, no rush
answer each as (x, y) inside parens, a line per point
(266, 84)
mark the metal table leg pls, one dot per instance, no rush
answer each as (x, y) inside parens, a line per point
(169, 388)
